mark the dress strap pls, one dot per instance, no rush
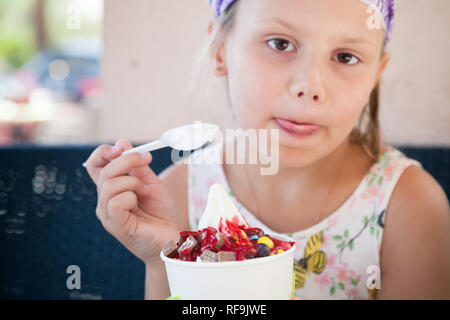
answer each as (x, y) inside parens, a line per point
(385, 178)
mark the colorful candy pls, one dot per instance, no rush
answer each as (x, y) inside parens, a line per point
(254, 237)
(231, 242)
(188, 246)
(209, 256)
(171, 249)
(263, 250)
(267, 241)
(226, 256)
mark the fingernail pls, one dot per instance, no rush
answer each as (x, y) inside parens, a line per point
(145, 155)
(115, 149)
(84, 164)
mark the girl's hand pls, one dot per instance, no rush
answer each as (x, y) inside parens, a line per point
(133, 204)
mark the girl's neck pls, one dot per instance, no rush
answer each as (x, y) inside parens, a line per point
(276, 199)
(315, 175)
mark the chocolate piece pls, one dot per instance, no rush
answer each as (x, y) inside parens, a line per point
(220, 240)
(254, 231)
(188, 246)
(170, 249)
(226, 256)
(208, 256)
(180, 241)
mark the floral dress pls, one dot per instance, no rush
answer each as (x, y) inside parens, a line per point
(337, 258)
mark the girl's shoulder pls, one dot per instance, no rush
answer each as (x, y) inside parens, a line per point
(413, 186)
(416, 238)
(418, 195)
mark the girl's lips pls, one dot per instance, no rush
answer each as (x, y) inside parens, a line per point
(297, 129)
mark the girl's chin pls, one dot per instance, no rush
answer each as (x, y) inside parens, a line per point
(295, 157)
(300, 152)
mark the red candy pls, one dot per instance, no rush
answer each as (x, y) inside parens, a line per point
(231, 237)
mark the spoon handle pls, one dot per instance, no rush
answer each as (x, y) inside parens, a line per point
(148, 147)
(151, 146)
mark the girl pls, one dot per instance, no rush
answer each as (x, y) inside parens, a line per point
(368, 221)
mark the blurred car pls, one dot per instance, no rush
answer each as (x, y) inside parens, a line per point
(70, 72)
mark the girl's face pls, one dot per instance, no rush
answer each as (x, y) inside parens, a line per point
(306, 61)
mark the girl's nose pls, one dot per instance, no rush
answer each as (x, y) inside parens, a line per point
(316, 95)
(309, 88)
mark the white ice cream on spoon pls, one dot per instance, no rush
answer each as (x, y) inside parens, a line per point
(219, 208)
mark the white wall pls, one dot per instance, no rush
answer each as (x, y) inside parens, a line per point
(416, 86)
(150, 44)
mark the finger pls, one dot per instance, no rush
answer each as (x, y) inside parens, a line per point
(124, 144)
(120, 218)
(124, 165)
(144, 173)
(121, 184)
(99, 158)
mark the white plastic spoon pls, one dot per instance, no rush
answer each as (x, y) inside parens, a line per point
(187, 137)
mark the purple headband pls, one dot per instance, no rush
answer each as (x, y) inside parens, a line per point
(384, 7)
(386, 10)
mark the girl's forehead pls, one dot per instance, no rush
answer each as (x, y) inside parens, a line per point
(332, 18)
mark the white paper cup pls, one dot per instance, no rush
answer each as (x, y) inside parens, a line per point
(255, 279)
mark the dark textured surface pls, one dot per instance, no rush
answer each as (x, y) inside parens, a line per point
(48, 222)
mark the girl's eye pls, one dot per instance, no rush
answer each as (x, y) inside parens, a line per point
(281, 45)
(346, 58)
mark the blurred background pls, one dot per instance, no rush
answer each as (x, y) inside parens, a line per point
(91, 71)
(50, 87)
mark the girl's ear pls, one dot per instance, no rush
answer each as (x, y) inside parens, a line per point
(385, 58)
(210, 26)
(217, 47)
(219, 61)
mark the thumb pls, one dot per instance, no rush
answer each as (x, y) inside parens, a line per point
(144, 173)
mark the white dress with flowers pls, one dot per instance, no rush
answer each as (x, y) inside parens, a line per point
(337, 257)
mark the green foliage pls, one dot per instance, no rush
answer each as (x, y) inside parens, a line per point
(15, 52)
(16, 32)
(17, 29)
